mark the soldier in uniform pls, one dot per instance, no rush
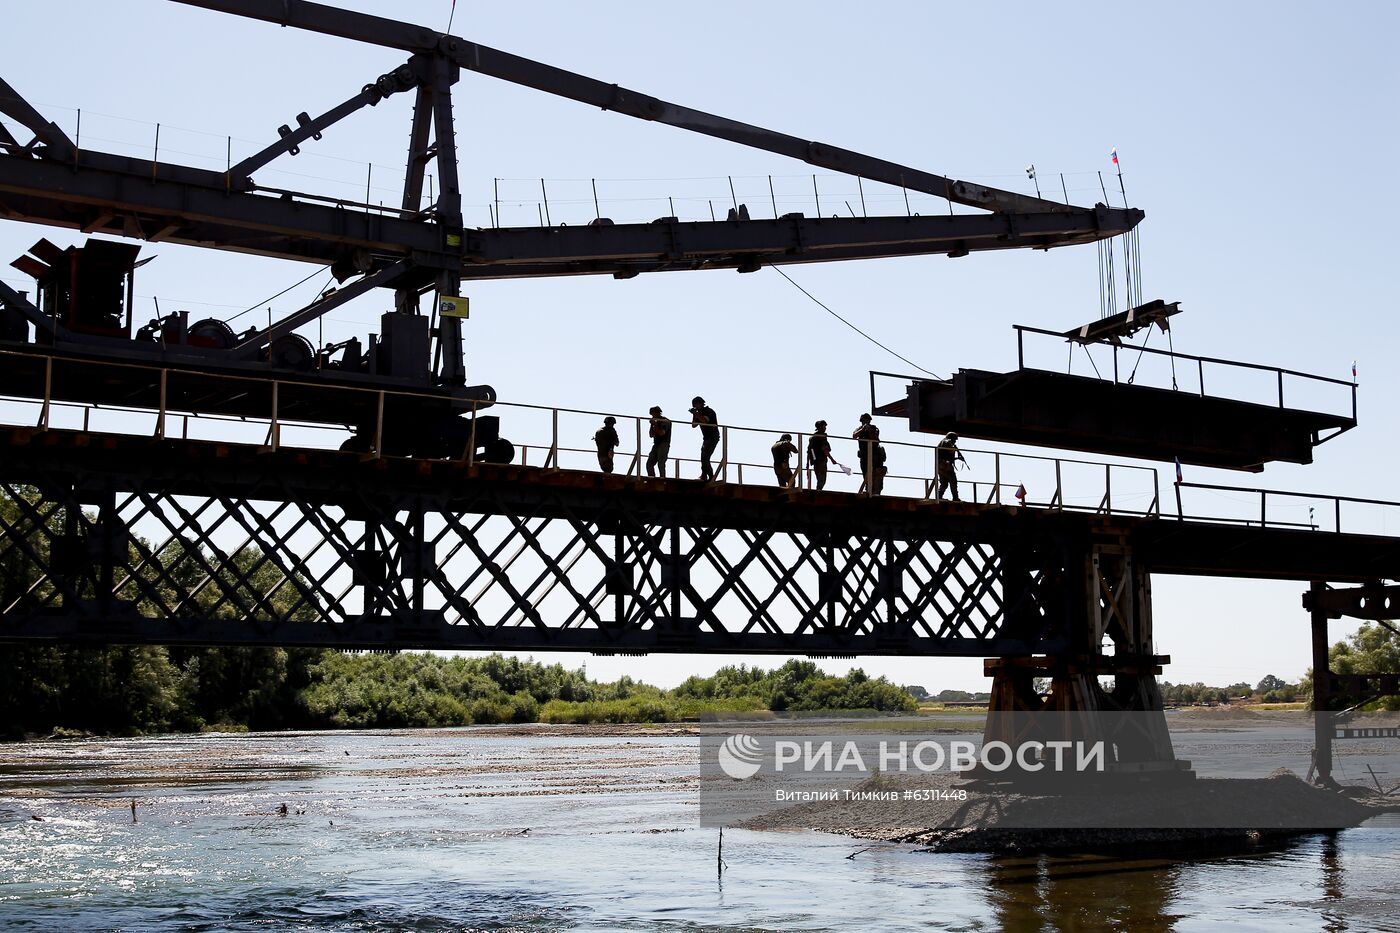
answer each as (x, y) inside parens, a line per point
(660, 434)
(782, 450)
(947, 455)
(606, 439)
(703, 417)
(872, 456)
(819, 453)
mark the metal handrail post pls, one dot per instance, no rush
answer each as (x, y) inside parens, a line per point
(1263, 508)
(160, 414)
(553, 459)
(724, 454)
(471, 440)
(869, 471)
(1108, 488)
(275, 430)
(996, 458)
(800, 463)
(48, 395)
(1338, 513)
(1059, 485)
(379, 427)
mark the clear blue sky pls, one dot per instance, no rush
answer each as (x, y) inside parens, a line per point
(1260, 139)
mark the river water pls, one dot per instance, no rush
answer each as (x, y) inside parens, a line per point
(490, 829)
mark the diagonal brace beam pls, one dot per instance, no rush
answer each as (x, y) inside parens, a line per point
(12, 104)
(311, 312)
(17, 302)
(400, 79)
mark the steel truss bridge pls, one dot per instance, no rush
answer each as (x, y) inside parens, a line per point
(109, 537)
(112, 537)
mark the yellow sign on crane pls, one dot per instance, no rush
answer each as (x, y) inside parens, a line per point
(452, 306)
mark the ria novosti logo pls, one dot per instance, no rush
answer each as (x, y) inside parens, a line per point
(740, 756)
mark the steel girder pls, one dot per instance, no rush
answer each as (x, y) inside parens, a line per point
(156, 201)
(175, 542)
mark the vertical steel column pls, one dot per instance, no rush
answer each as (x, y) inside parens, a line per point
(418, 558)
(619, 597)
(406, 297)
(1322, 687)
(449, 216)
(677, 572)
(107, 521)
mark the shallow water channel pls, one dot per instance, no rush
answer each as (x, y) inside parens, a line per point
(492, 829)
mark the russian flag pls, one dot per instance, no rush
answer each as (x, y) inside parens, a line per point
(1021, 493)
(1177, 460)
(1353, 370)
(1113, 154)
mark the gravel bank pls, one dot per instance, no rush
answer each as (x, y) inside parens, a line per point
(1207, 811)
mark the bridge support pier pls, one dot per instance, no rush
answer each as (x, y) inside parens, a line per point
(1107, 608)
(1333, 691)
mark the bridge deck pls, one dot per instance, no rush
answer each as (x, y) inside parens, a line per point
(1167, 544)
(111, 538)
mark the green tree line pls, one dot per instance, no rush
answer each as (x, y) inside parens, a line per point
(126, 690)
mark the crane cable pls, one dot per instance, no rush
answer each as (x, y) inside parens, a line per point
(852, 326)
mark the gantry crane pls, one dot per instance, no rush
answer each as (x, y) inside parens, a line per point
(83, 310)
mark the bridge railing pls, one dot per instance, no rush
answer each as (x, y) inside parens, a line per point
(1280, 508)
(552, 437)
(1128, 364)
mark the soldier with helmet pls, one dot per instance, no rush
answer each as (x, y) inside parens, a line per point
(606, 440)
(946, 457)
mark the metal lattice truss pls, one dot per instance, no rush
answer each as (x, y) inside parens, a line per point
(186, 559)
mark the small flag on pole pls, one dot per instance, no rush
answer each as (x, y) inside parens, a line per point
(1353, 370)
(1178, 470)
(1021, 493)
(1113, 154)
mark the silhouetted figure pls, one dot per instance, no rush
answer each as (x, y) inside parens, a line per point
(606, 440)
(948, 455)
(872, 456)
(133, 811)
(819, 453)
(782, 450)
(282, 810)
(703, 417)
(660, 434)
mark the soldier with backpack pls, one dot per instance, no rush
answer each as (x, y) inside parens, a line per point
(782, 468)
(819, 453)
(606, 440)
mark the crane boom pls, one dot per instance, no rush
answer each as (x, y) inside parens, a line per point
(472, 56)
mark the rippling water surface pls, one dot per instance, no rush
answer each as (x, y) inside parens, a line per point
(481, 829)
